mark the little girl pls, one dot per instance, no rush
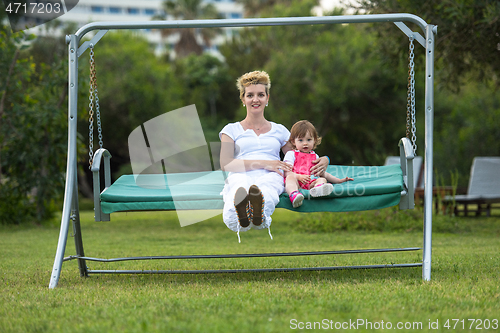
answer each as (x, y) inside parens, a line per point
(304, 138)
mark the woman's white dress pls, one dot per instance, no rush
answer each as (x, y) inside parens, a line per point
(250, 146)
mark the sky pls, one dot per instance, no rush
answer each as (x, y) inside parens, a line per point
(328, 5)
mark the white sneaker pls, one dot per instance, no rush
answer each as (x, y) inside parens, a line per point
(322, 190)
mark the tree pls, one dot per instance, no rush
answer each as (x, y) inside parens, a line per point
(190, 10)
(32, 130)
(338, 83)
(203, 78)
(468, 39)
(134, 86)
(467, 76)
(332, 76)
(467, 127)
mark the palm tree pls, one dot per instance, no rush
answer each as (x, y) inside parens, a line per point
(254, 8)
(190, 10)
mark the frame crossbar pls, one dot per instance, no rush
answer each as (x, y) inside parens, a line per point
(252, 270)
(246, 255)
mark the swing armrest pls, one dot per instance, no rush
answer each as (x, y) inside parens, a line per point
(406, 159)
(96, 165)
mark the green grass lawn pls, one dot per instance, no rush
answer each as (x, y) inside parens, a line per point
(464, 286)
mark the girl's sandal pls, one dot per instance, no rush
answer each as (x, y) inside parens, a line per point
(241, 205)
(257, 204)
(296, 198)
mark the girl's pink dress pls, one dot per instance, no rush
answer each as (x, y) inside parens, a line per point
(302, 165)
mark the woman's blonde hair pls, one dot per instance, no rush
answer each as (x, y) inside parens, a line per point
(300, 129)
(255, 77)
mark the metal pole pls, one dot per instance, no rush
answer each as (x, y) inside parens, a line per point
(429, 127)
(253, 22)
(71, 175)
(77, 231)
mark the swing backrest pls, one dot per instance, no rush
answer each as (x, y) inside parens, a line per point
(417, 168)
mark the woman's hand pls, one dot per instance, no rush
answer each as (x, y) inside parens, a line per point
(278, 166)
(319, 167)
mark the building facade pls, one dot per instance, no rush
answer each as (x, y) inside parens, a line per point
(87, 11)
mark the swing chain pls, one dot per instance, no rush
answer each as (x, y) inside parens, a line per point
(91, 105)
(410, 106)
(93, 102)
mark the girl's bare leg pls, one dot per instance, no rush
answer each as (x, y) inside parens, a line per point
(291, 184)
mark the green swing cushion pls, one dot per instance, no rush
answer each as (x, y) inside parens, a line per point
(374, 187)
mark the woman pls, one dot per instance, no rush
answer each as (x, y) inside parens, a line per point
(250, 152)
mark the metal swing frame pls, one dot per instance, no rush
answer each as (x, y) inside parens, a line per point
(71, 213)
